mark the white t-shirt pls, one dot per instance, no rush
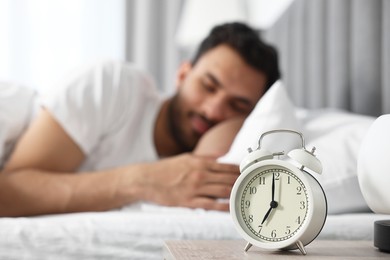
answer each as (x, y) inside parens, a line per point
(18, 105)
(109, 110)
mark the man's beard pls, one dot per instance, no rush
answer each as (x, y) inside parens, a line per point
(176, 126)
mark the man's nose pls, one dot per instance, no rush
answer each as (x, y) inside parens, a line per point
(216, 108)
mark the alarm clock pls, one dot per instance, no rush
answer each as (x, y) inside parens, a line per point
(276, 203)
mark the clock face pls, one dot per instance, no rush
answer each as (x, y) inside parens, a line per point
(271, 203)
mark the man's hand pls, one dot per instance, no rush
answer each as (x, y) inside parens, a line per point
(189, 181)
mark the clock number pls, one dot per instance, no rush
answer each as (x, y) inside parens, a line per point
(288, 180)
(250, 219)
(247, 204)
(303, 206)
(277, 176)
(252, 190)
(262, 180)
(288, 230)
(299, 190)
(260, 228)
(273, 233)
(298, 220)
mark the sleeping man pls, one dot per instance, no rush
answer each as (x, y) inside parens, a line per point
(107, 138)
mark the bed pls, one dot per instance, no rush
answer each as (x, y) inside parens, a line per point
(139, 231)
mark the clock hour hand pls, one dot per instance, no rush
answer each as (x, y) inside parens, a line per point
(273, 205)
(266, 215)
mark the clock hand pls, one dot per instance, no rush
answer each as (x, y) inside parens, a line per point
(266, 215)
(273, 187)
(273, 203)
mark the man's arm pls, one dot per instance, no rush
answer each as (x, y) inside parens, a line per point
(217, 141)
(39, 178)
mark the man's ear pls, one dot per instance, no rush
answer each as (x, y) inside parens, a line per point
(182, 73)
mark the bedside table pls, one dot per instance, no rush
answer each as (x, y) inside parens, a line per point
(234, 250)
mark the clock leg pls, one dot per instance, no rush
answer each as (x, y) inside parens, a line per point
(249, 245)
(301, 247)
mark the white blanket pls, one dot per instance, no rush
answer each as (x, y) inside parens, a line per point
(138, 232)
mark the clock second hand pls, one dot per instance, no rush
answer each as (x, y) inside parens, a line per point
(273, 203)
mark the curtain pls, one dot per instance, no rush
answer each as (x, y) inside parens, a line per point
(336, 53)
(150, 42)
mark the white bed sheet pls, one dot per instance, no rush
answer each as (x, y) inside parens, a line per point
(138, 232)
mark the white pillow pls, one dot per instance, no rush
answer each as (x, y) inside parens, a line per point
(273, 111)
(337, 135)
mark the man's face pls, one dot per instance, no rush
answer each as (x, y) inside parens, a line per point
(219, 86)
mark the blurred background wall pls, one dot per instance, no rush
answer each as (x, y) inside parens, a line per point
(333, 53)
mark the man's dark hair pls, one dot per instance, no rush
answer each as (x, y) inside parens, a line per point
(248, 44)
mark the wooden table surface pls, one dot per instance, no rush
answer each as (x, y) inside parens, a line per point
(234, 250)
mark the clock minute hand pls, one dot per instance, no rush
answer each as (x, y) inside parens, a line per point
(273, 187)
(273, 203)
